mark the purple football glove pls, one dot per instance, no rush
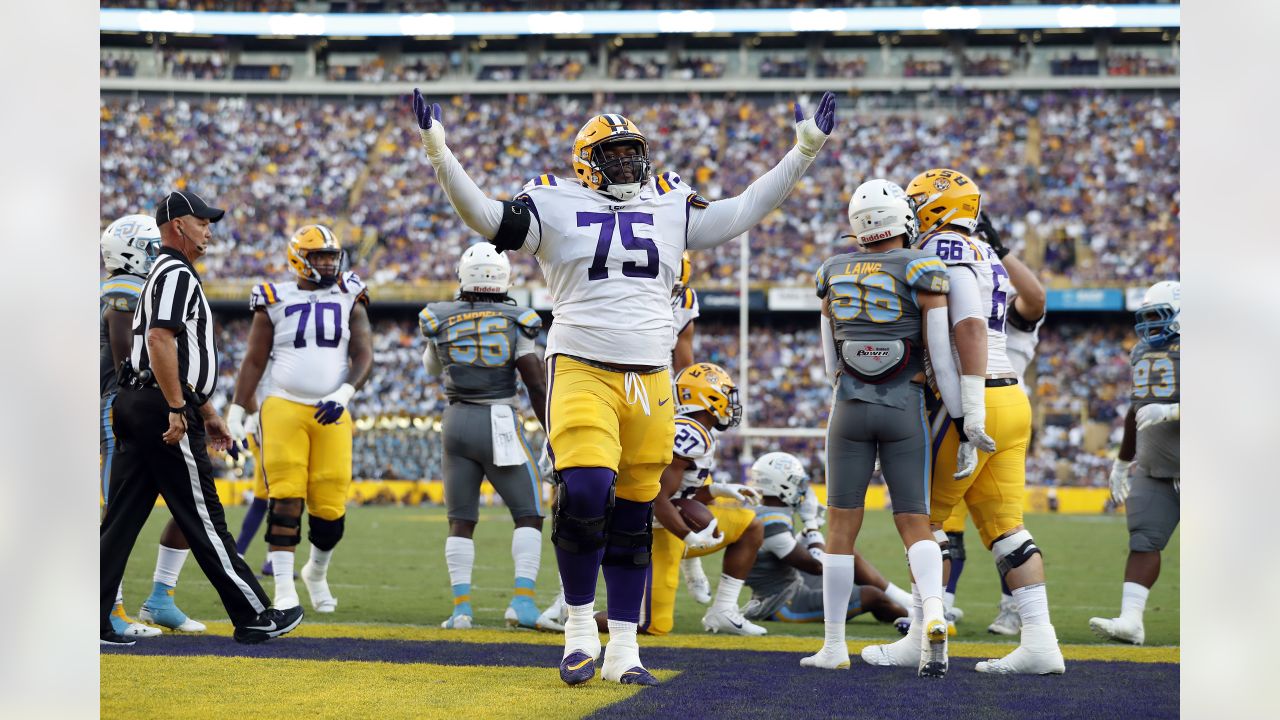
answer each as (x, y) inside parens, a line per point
(423, 112)
(825, 117)
(328, 412)
(812, 133)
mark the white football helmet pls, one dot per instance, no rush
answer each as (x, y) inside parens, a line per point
(483, 269)
(780, 475)
(880, 210)
(1158, 321)
(131, 244)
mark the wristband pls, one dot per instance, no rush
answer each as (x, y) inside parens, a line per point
(178, 410)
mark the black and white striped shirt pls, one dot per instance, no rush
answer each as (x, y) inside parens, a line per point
(173, 298)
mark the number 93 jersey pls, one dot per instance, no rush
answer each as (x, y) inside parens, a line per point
(610, 266)
(312, 328)
(478, 344)
(1156, 376)
(994, 288)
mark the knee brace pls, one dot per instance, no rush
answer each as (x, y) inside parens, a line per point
(957, 545)
(943, 542)
(1013, 551)
(276, 519)
(325, 534)
(629, 546)
(578, 535)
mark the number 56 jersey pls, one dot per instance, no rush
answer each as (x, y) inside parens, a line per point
(610, 265)
(478, 344)
(309, 357)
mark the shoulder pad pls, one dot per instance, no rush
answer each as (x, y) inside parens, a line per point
(121, 292)
(262, 296)
(351, 284)
(928, 274)
(428, 323)
(820, 281)
(692, 440)
(529, 321)
(953, 248)
(543, 180)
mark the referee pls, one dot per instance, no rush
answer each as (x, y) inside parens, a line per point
(163, 419)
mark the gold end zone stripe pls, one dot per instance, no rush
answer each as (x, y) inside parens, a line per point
(771, 642)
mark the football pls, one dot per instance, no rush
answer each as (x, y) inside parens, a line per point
(695, 514)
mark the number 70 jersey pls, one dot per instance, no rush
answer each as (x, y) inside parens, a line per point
(312, 329)
(994, 288)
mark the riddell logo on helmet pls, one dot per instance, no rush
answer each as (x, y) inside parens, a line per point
(883, 234)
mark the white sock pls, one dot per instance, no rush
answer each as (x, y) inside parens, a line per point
(727, 593)
(120, 594)
(623, 634)
(948, 599)
(526, 551)
(320, 558)
(1006, 601)
(1033, 604)
(282, 571)
(837, 586)
(1133, 602)
(460, 556)
(169, 565)
(925, 559)
(580, 611)
(917, 607)
(692, 567)
(898, 595)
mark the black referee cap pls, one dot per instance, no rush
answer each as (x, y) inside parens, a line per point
(179, 203)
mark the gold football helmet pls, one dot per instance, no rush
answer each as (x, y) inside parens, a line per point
(605, 175)
(686, 274)
(945, 197)
(706, 386)
(308, 241)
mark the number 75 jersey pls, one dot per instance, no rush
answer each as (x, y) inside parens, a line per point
(312, 329)
(994, 288)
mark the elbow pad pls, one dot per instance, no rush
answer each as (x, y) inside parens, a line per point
(514, 227)
(1015, 319)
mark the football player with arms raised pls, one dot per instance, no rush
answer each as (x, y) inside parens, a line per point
(315, 333)
(986, 471)
(129, 247)
(1150, 450)
(477, 344)
(609, 240)
(880, 306)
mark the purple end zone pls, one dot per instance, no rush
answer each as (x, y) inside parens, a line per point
(743, 683)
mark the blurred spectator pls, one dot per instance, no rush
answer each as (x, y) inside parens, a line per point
(776, 67)
(842, 67)
(1073, 65)
(555, 69)
(190, 66)
(930, 68)
(1137, 63)
(623, 67)
(988, 65)
(122, 65)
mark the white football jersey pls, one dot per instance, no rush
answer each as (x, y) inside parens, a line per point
(684, 310)
(610, 266)
(312, 330)
(994, 289)
(698, 445)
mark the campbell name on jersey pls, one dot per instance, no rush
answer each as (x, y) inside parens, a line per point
(610, 265)
(684, 310)
(119, 292)
(994, 288)
(1156, 379)
(872, 297)
(309, 357)
(478, 344)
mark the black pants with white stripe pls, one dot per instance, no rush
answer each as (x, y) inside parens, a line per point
(144, 467)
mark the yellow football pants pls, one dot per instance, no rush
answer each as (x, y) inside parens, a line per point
(259, 478)
(658, 610)
(955, 521)
(303, 459)
(995, 490)
(591, 422)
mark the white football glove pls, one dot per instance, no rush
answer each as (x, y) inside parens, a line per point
(966, 460)
(545, 465)
(1120, 481)
(704, 540)
(235, 424)
(251, 424)
(973, 400)
(810, 136)
(812, 537)
(742, 493)
(1155, 414)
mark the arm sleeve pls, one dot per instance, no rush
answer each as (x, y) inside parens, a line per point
(480, 212)
(726, 219)
(780, 544)
(525, 345)
(829, 360)
(431, 361)
(963, 300)
(945, 375)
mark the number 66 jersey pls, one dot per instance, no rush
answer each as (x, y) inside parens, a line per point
(994, 287)
(309, 357)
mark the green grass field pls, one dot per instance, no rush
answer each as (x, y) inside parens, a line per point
(390, 568)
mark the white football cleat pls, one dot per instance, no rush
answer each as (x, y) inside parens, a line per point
(828, 658)
(622, 665)
(1038, 654)
(1118, 629)
(1008, 621)
(730, 622)
(954, 614)
(457, 622)
(581, 633)
(130, 628)
(553, 618)
(902, 653)
(187, 625)
(696, 580)
(933, 648)
(317, 584)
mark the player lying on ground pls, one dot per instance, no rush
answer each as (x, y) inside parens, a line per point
(609, 240)
(1150, 449)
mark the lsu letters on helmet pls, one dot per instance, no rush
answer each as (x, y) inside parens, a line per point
(686, 274)
(706, 386)
(779, 475)
(606, 175)
(309, 240)
(880, 210)
(1158, 321)
(945, 197)
(483, 269)
(131, 244)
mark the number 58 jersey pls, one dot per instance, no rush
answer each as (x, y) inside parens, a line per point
(309, 357)
(994, 288)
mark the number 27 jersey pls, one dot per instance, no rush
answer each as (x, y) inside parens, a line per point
(309, 357)
(994, 288)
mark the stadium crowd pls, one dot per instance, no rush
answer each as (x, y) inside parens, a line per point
(1086, 182)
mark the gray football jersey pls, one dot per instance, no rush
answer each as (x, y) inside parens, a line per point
(118, 292)
(476, 343)
(770, 575)
(872, 297)
(1156, 378)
